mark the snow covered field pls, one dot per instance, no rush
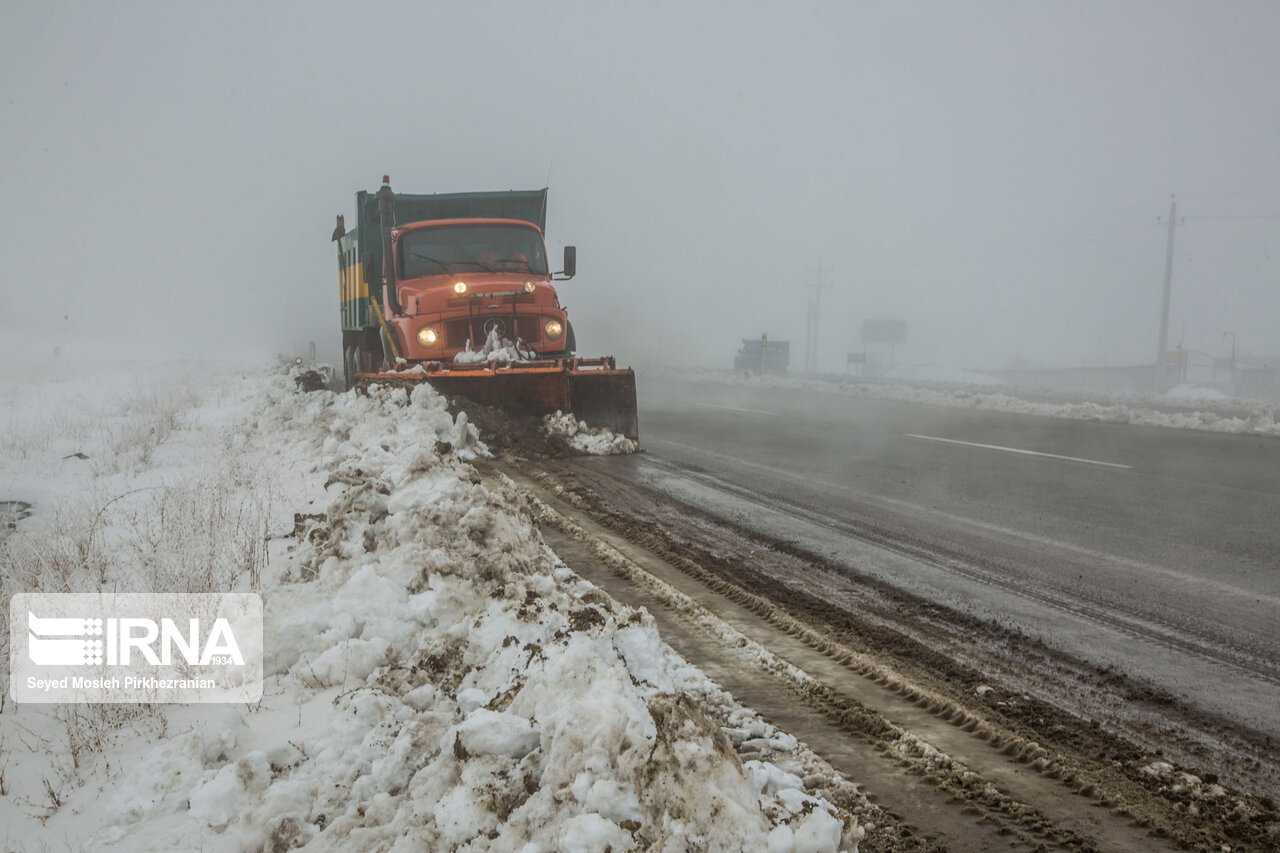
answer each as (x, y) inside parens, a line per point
(436, 679)
(1183, 407)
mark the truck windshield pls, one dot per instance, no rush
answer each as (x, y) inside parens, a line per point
(471, 248)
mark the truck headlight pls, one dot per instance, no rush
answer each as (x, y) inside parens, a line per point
(529, 286)
(427, 336)
(460, 287)
(553, 329)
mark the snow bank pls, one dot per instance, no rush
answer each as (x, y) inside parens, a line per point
(936, 374)
(1187, 391)
(436, 679)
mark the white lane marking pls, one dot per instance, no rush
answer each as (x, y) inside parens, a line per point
(736, 409)
(1018, 450)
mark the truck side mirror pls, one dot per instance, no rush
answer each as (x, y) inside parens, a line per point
(369, 272)
(570, 261)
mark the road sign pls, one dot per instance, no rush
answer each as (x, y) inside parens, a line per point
(884, 331)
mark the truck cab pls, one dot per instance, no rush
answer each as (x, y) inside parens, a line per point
(462, 283)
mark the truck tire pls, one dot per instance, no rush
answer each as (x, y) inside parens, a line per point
(365, 360)
(349, 367)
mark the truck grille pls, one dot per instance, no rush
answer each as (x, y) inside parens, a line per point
(520, 297)
(457, 331)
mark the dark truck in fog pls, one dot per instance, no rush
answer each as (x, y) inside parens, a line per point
(761, 355)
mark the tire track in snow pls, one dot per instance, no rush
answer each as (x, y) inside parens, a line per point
(969, 779)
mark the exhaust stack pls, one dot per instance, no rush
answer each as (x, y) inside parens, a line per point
(387, 221)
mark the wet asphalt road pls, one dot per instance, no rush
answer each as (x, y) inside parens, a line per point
(1153, 550)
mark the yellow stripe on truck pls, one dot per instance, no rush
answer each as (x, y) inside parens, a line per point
(351, 283)
(351, 289)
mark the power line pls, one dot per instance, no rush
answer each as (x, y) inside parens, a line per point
(1258, 216)
(1168, 285)
(812, 316)
(1039, 244)
(1235, 193)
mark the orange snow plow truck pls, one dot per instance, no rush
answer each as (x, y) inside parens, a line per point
(456, 290)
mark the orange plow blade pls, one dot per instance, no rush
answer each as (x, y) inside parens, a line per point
(594, 390)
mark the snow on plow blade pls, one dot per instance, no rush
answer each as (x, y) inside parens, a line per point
(594, 390)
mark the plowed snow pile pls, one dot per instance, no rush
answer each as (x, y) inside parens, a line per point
(436, 680)
(594, 441)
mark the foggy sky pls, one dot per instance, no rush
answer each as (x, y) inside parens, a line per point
(991, 173)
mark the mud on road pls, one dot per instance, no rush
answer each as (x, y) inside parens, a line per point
(956, 734)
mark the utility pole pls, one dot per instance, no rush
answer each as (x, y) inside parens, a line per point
(1168, 285)
(811, 326)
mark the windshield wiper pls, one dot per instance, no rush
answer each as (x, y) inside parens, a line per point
(432, 260)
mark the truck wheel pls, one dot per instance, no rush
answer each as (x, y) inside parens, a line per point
(349, 367)
(364, 360)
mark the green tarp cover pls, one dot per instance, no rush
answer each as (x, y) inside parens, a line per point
(526, 205)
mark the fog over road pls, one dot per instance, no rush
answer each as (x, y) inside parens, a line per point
(1153, 551)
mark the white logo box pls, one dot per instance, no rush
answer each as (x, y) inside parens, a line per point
(135, 647)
